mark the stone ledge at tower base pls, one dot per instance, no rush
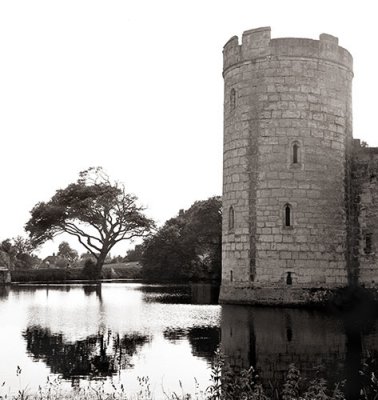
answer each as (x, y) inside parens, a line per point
(249, 294)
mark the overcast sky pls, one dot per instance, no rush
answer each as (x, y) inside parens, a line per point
(136, 87)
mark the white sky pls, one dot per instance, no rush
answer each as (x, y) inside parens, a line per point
(136, 87)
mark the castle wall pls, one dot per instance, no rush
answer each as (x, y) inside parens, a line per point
(286, 92)
(365, 206)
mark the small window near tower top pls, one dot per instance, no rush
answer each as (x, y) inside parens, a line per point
(231, 218)
(233, 99)
(288, 216)
(231, 276)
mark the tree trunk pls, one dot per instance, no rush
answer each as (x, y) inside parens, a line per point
(99, 265)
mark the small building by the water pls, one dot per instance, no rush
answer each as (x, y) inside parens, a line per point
(5, 276)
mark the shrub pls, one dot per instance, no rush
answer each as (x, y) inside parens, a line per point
(89, 269)
(39, 275)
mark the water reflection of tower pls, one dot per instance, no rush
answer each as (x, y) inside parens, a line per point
(238, 336)
(272, 339)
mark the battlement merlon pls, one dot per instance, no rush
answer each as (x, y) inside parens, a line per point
(257, 44)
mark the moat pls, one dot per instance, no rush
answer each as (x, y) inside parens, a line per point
(119, 331)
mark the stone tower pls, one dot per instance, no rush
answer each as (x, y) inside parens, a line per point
(287, 134)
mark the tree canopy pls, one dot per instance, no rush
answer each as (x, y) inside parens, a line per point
(188, 246)
(16, 253)
(67, 252)
(97, 211)
(134, 254)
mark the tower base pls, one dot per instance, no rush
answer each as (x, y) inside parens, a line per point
(245, 293)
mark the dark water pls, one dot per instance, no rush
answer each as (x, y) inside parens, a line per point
(336, 346)
(118, 332)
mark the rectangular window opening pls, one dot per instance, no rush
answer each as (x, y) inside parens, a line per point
(287, 216)
(295, 154)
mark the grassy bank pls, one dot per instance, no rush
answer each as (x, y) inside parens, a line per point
(110, 271)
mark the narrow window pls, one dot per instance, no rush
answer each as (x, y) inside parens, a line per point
(295, 153)
(288, 215)
(231, 276)
(289, 279)
(233, 99)
(289, 334)
(231, 218)
(368, 243)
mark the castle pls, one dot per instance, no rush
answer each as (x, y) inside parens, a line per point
(300, 195)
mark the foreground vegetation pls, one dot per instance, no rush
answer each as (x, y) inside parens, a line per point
(225, 384)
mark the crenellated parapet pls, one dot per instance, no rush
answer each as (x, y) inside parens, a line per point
(257, 43)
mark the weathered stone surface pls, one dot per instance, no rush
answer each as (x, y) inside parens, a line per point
(364, 205)
(277, 295)
(284, 96)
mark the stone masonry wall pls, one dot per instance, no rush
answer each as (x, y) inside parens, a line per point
(280, 93)
(365, 206)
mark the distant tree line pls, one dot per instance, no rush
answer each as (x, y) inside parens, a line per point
(18, 253)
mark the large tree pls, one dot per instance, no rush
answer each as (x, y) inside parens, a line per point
(97, 211)
(188, 246)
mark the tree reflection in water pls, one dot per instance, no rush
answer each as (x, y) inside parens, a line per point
(97, 356)
(4, 291)
(204, 340)
(90, 289)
